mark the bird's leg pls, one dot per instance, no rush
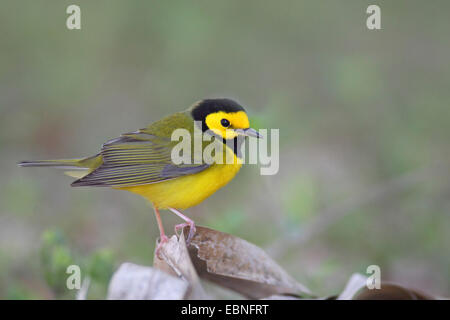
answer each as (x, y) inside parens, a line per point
(162, 236)
(189, 223)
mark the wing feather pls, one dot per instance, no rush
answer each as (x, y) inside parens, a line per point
(137, 158)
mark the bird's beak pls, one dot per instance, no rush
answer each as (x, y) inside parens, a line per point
(249, 132)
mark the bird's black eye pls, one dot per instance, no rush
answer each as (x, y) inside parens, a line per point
(225, 123)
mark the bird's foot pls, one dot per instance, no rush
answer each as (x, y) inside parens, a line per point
(189, 223)
(192, 230)
(163, 239)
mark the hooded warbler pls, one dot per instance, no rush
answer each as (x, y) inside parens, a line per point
(141, 161)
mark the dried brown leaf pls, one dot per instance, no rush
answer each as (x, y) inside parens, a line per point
(281, 297)
(391, 291)
(356, 289)
(239, 265)
(175, 260)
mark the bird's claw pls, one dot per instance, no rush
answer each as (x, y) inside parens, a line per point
(162, 240)
(192, 230)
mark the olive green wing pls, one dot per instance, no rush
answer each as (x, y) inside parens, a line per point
(142, 157)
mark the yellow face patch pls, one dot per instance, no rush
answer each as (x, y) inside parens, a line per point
(223, 123)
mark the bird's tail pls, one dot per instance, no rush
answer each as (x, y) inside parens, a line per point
(82, 166)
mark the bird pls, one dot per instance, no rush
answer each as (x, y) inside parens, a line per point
(142, 161)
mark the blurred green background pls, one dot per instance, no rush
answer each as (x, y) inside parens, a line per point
(364, 119)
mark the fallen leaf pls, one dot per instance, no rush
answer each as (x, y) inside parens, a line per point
(356, 289)
(134, 282)
(175, 261)
(281, 297)
(239, 265)
(391, 291)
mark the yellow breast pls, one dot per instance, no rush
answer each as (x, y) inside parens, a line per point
(187, 191)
